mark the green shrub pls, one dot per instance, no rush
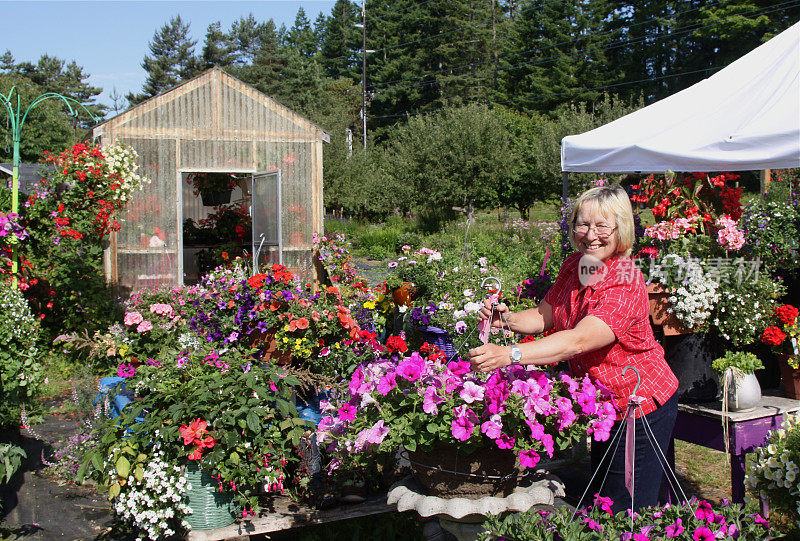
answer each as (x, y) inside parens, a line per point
(20, 371)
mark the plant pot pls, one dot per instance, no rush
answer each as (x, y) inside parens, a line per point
(790, 377)
(446, 473)
(441, 339)
(215, 199)
(659, 314)
(405, 294)
(743, 393)
(268, 346)
(690, 357)
(210, 508)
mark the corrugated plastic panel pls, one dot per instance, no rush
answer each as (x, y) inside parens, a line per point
(212, 123)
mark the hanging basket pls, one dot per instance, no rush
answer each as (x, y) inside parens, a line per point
(441, 339)
(215, 199)
(210, 508)
(446, 473)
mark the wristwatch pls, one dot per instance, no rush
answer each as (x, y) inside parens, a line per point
(516, 354)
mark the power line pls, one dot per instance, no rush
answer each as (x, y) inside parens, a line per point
(474, 75)
(583, 37)
(578, 91)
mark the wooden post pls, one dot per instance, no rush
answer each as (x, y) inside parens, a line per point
(766, 177)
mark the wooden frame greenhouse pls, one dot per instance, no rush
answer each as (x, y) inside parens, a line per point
(215, 123)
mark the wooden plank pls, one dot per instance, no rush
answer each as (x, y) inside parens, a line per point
(765, 177)
(283, 514)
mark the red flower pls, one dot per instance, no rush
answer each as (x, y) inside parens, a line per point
(302, 323)
(773, 336)
(396, 344)
(256, 281)
(787, 314)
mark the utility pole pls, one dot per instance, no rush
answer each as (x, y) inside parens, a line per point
(364, 70)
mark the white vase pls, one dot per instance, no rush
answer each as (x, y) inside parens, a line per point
(743, 393)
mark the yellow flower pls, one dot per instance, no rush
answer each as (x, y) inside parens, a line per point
(285, 339)
(286, 328)
(369, 305)
(123, 351)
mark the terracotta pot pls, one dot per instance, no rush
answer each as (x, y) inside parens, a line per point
(487, 471)
(659, 303)
(405, 294)
(266, 342)
(789, 376)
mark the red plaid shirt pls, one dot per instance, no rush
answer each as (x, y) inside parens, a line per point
(620, 300)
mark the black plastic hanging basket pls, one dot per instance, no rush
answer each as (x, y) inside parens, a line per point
(215, 199)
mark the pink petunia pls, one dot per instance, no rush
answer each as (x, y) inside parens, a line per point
(387, 383)
(604, 503)
(347, 413)
(704, 512)
(492, 428)
(459, 368)
(592, 524)
(471, 392)
(505, 441)
(462, 428)
(377, 433)
(411, 369)
(528, 459)
(703, 534)
(431, 401)
(675, 530)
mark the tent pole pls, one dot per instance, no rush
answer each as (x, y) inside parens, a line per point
(564, 185)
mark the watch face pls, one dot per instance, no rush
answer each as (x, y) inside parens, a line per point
(516, 354)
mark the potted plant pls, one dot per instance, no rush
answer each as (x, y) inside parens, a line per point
(463, 430)
(773, 475)
(782, 336)
(694, 519)
(214, 188)
(740, 388)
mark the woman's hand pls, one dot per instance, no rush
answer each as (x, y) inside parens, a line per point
(489, 357)
(499, 313)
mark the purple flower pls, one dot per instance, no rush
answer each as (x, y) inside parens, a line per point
(387, 383)
(461, 327)
(529, 458)
(505, 441)
(347, 413)
(492, 428)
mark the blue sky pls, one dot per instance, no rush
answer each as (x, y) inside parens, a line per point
(109, 39)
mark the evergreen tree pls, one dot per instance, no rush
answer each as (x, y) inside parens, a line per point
(52, 74)
(7, 63)
(320, 24)
(301, 36)
(555, 54)
(172, 60)
(251, 39)
(216, 48)
(341, 44)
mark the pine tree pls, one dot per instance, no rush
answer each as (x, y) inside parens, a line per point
(250, 39)
(216, 48)
(172, 60)
(7, 63)
(341, 45)
(301, 36)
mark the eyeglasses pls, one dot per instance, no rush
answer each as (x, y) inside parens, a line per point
(603, 231)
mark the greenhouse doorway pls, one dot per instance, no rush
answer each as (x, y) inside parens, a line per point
(267, 245)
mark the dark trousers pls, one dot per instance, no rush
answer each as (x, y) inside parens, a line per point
(647, 468)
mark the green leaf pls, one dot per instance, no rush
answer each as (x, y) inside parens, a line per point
(123, 467)
(96, 462)
(234, 457)
(432, 428)
(113, 491)
(411, 446)
(138, 473)
(252, 421)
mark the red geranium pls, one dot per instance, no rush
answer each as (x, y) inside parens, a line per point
(197, 435)
(396, 344)
(787, 314)
(773, 336)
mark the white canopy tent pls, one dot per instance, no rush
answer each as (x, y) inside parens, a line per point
(744, 117)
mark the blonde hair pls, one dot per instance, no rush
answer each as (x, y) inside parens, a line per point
(611, 200)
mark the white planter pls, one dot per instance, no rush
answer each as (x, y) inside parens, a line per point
(744, 392)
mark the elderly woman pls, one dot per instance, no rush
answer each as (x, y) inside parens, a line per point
(598, 310)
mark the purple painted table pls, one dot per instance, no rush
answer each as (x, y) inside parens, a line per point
(702, 424)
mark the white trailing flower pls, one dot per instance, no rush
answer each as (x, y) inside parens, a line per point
(153, 504)
(121, 159)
